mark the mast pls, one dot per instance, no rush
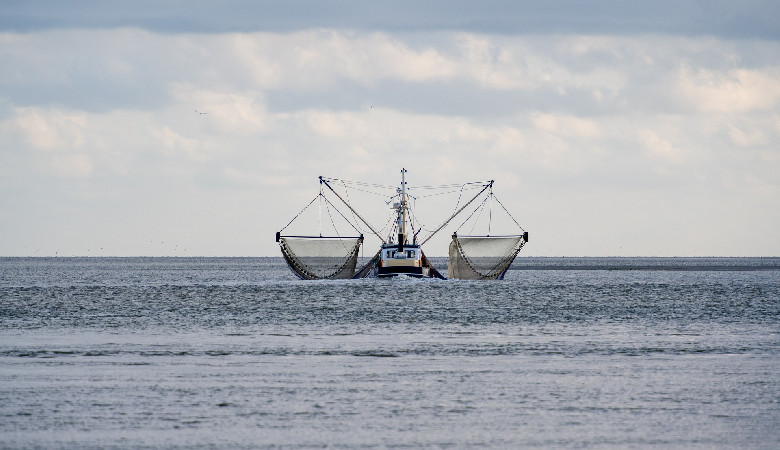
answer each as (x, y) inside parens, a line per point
(401, 221)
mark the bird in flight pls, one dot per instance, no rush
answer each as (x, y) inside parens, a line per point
(196, 110)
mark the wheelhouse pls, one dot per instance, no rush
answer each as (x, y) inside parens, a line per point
(397, 260)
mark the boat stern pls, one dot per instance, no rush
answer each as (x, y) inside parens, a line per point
(403, 260)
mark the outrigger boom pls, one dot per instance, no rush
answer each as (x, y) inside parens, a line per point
(322, 181)
(428, 238)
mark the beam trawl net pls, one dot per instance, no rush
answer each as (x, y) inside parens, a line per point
(482, 257)
(315, 258)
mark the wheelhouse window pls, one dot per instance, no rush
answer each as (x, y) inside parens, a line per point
(395, 254)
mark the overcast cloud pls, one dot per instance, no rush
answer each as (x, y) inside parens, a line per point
(611, 129)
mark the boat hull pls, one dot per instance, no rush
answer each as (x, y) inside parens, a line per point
(393, 271)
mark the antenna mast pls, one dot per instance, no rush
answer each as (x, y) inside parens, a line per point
(401, 221)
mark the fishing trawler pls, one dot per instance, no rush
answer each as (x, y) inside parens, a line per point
(401, 257)
(400, 253)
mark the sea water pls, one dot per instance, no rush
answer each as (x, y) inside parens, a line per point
(238, 353)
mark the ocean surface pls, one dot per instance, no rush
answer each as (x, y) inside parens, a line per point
(238, 353)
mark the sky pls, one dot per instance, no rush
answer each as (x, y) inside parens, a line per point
(611, 128)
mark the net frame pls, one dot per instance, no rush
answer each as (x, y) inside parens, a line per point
(344, 270)
(497, 272)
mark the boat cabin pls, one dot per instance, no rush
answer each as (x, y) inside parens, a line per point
(397, 260)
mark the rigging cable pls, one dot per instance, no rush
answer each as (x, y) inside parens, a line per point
(428, 187)
(342, 215)
(447, 186)
(301, 212)
(508, 213)
(346, 192)
(490, 210)
(359, 183)
(320, 211)
(476, 220)
(462, 188)
(470, 215)
(334, 225)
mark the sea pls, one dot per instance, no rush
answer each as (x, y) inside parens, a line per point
(238, 353)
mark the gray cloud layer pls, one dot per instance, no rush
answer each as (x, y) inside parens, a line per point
(744, 19)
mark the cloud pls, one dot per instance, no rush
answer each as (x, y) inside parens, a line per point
(51, 130)
(228, 111)
(584, 132)
(567, 125)
(737, 90)
(660, 148)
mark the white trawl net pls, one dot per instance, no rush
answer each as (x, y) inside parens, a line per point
(483, 257)
(314, 258)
